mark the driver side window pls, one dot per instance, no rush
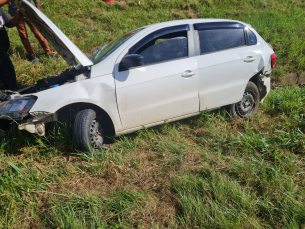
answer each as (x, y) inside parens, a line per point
(164, 48)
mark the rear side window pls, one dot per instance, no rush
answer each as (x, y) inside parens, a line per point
(251, 37)
(215, 40)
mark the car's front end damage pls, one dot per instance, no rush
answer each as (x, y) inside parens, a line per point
(35, 124)
(15, 107)
(15, 113)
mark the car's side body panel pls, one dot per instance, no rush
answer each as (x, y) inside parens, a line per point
(223, 77)
(157, 92)
(99, 91)
(127, 131)
(149, 94)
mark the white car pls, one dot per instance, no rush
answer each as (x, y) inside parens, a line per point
(161, 72)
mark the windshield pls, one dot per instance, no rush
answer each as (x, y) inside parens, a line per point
(102, 52)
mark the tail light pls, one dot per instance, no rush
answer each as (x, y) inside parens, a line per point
(273, 60)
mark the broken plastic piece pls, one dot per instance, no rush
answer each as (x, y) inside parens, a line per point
(56, 85)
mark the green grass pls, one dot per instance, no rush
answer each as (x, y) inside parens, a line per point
(209, 171)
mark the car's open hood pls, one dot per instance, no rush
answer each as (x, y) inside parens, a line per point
(64, 46)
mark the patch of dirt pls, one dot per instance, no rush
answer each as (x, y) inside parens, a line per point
(290, 78)
(193, 15)
(301, 80)
(193, 158)
(123, 5)
(202, 133)
(94, 185)
(161, 211)
(177, 15)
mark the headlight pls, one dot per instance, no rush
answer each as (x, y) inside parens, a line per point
(16, 109)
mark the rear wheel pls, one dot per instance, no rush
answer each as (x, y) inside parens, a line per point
(88, 131)
(248, 104)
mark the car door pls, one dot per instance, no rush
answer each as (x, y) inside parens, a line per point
(226, 63)
(166, 86)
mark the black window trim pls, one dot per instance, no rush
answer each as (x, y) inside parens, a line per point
(159, 32)
(218, 25)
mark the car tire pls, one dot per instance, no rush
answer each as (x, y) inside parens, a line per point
(248, 104)
(88, 131)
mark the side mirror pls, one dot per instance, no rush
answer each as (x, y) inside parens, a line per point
(131, 61)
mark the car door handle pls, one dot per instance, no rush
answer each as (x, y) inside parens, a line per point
(188, 73)
(249, 59)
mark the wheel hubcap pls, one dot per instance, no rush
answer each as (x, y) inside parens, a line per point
(246, 106)
(96, 134)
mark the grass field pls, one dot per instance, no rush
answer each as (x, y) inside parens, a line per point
(209, 171)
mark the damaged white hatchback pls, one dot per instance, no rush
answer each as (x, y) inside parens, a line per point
(161, 72)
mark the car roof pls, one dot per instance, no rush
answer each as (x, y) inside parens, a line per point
(191, 21)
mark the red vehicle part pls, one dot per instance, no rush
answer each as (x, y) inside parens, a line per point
(273, 60)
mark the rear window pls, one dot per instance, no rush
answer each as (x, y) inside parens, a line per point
(220, 39)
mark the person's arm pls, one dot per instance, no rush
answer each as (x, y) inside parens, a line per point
(38, 5)
(15, 20)
(3, 2)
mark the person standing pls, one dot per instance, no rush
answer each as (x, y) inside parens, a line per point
(24, 35)
(7, 71)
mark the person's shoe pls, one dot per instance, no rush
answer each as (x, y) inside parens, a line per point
(33, 59)
(52, 57)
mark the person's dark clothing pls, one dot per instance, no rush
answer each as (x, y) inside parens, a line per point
(7, 71)
(12, 9)
(4, 40)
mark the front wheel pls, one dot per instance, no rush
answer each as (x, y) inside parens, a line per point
(88, 131)
(248, 104)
